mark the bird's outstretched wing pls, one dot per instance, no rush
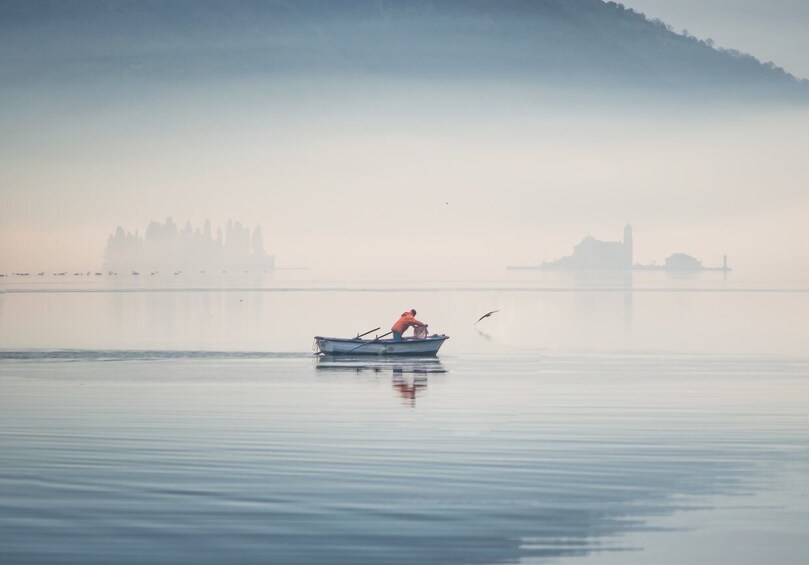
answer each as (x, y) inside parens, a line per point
(486, 316)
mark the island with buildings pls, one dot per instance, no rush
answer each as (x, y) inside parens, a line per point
(592, 254)
(166, 247)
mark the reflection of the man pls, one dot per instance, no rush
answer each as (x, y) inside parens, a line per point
(408, 388)
(409, 375)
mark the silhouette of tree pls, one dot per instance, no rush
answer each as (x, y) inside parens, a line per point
(164, 247)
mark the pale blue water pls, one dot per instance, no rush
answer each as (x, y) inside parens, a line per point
(503, 450)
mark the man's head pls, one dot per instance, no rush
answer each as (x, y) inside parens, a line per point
(413, 311)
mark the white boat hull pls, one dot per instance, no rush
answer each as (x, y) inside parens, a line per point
(408, 346)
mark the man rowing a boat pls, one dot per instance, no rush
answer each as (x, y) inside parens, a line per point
(406, 320)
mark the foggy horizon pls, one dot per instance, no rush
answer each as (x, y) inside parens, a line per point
(414, 170)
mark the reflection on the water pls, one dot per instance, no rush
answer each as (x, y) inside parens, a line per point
(409, 375)
(379, 364)
(484, 335)
(408, 388)
(237, 458)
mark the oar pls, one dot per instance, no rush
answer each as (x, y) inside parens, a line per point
(367, 342)
(366, 333)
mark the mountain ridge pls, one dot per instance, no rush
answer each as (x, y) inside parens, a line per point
(581, 43)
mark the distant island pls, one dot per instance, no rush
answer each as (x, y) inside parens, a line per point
(592, 254)
(165, 247)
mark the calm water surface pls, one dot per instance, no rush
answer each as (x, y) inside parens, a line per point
(631, 436)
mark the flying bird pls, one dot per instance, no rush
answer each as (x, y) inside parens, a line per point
(486, 316)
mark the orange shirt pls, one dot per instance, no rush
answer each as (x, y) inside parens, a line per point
(405, 321)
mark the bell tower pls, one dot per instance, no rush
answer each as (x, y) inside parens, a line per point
(628, 252)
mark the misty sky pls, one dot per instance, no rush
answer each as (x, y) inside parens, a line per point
(403, 177)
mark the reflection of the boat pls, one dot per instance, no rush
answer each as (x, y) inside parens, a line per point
(409, 375)
(398, 366)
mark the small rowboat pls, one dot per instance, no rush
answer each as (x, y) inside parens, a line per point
(427, 346)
